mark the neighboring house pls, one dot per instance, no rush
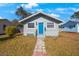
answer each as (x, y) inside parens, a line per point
(40, 24)
(3, 24)
(70, 26)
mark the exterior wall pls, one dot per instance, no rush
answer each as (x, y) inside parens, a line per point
(28, 30)
(78, 28)
(1, 26)
(52, 31)
(49, 31)
(1, 29)
(66, 29)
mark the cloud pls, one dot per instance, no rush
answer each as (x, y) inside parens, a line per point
(75, 9)
(39, 9)
(49, 10)
(29, 5)
(12, 12)
(66, 9)
(3, 4)
(60, 9)
(55, 15)
(1, 17)
(57, 10)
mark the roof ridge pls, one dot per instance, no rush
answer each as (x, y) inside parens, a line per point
(39, 13)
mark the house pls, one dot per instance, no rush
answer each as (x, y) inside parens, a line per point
(70, 26)
(3, 24)
(40, 24)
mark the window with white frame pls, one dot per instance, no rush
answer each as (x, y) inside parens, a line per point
(50, 25)
(30, 25)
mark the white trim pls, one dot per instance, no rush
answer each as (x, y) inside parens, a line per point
(38, 13)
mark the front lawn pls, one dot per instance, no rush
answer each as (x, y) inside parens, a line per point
(67, 44)
(17, 46)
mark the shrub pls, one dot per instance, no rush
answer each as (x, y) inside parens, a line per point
(10, 30)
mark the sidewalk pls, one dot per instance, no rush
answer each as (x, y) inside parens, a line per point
(40, 48)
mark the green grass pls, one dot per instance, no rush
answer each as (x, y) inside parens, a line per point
(67, 44)
(17, 46)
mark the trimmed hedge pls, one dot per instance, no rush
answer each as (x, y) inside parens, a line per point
(10, 30)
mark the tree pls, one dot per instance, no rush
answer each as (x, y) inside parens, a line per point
(75, 15)
(18, 25)
(22, 13)
(15, 22)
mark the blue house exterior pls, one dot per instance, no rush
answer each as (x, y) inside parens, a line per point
(70, 26)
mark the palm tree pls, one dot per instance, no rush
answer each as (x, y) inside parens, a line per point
(22, 13)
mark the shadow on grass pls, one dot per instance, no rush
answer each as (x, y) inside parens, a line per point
(5, 38)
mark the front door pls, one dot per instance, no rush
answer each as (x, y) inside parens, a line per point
(40, 28)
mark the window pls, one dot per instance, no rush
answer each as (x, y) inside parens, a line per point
(30, 25)
(72, 26)
(50, 25)
(62, 27)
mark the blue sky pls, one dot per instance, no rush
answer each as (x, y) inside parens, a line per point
(62, 11)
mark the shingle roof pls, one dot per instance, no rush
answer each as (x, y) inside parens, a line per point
(3, 21)
(42, 13)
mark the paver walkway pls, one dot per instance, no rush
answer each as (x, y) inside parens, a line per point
(40, 48)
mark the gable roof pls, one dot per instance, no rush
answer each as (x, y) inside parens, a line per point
(41, 13)
(3, 21)
(69, 24)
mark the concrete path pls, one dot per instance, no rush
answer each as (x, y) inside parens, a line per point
(40, 48)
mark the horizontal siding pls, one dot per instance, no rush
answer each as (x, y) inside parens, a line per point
(2, 24)
(69, 29)
(31, 31)
(74, 29)
(1, 29)
(52, 31)
(49, 31)
(78, 28)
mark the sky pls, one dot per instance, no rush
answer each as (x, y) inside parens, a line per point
(63, 11)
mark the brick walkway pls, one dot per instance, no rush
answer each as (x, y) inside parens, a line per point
(40, 48)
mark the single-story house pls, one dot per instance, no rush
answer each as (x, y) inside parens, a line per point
(70, 26)
(3, 24)
(40, 24)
